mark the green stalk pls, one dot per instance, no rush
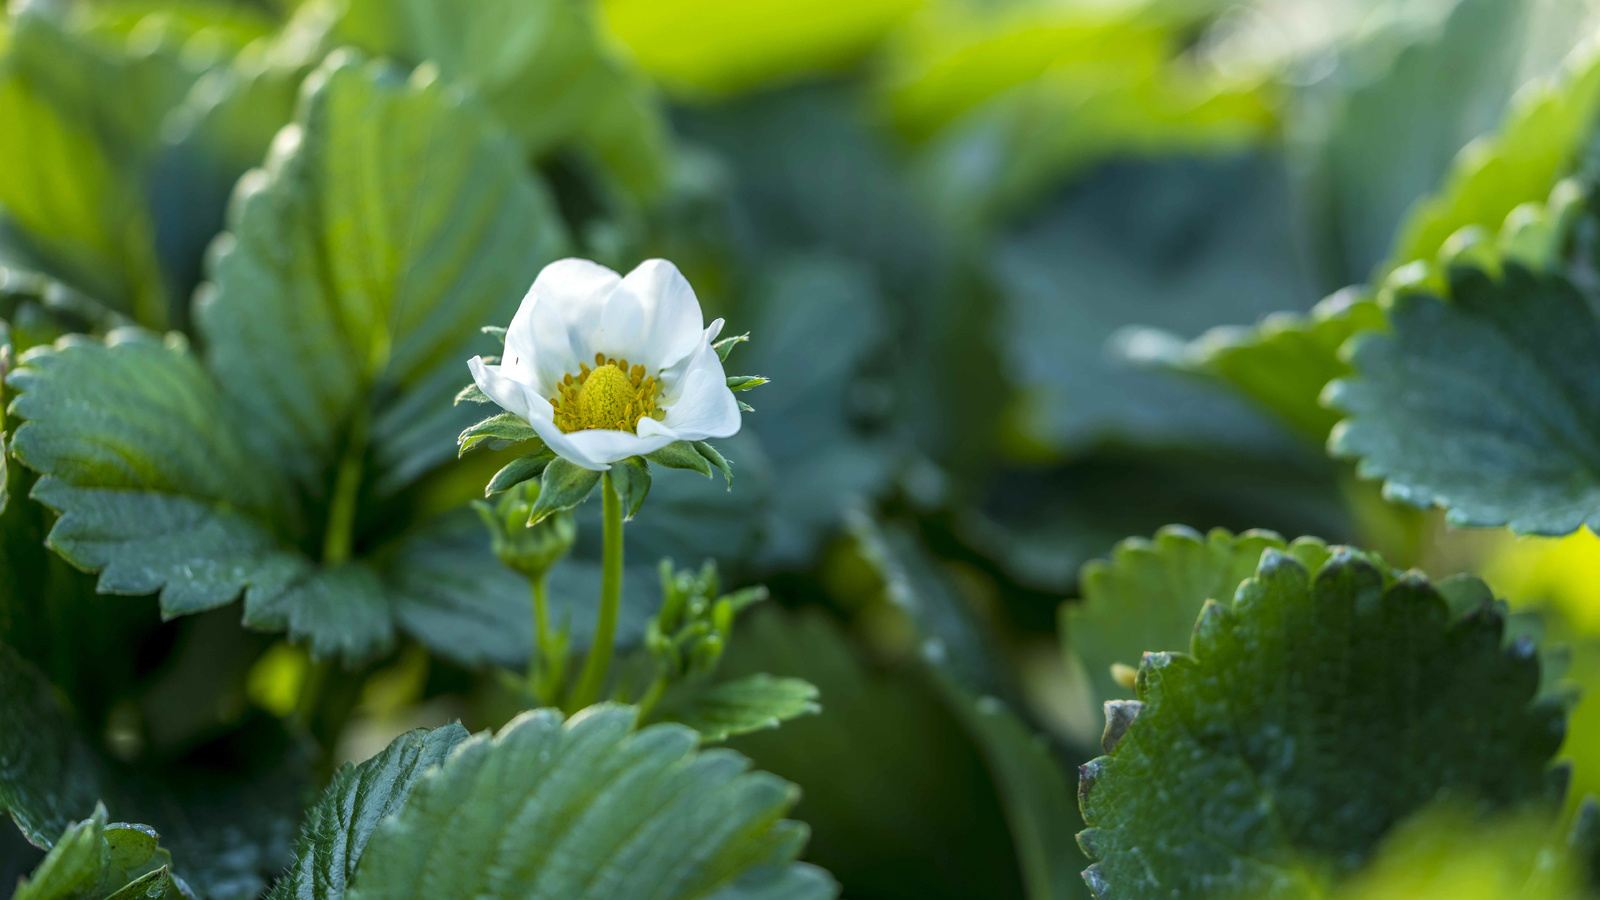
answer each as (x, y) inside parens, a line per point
(652, 695)
(544, 669)
(593, 678)
(337, 542)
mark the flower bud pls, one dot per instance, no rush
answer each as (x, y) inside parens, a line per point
(529, 549)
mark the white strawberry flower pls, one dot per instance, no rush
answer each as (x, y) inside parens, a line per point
(605, 367)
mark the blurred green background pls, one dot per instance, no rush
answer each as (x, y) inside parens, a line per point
(977, 244)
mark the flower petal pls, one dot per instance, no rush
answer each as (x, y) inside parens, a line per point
(622, 327)
(554, 354)
(510, 393)
(607, 446)
(703, 407)
(563, 445)
(671, 311)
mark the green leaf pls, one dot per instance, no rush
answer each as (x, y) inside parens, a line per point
(562, 486)
(867, 762)
(1314, 711)
(709, 48)
(961, 661)
(630, 478)
(338, 827)
(1486, 405)
(1283, 363)
(76, 867)
(1388, 142)
(496, 432)
(345, 295)
(404, 284)
(1146, 597)
(539, 66)
(79, 117)
(1447, 851)
(93, 860)
(1537, 144)
(536, 808)
(742, 705)
(51, 776)
(681, 455)
(1022, 102)
(519, 470)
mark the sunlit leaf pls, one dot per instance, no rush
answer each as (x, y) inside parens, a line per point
(697, 48)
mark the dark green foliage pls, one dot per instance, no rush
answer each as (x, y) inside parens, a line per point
(1318, 708)
(1485, 404)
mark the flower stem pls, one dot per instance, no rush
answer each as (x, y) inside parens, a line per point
(652, 695)
(339, 538)
(593, 678)
(544, 669)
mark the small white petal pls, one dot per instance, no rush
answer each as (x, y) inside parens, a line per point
(712, 330)
(671, 311)
(607, 446)
(704, 406)
(511, 394)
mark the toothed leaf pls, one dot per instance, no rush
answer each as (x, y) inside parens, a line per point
(1487, 404)
(337, 828)
(1146, 597)
(590, 807)
(1316, 710)
(389, 220)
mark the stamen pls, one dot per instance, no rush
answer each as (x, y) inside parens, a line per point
(614, 396)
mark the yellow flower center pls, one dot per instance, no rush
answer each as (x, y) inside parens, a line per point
(612, 395)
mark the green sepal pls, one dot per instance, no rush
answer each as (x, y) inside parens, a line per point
(562, 486)
(745, 407)
(157, 885)
(726, 345)
(495, 331)
(471, 394)
(496, 432)
(745, 382)
(519, 470)
(681, 455)
(716, 459)
(630, 478)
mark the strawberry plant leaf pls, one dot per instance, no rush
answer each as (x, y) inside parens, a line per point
(1282, 363)
(1485, 405)
(1146, 597)
(742, 705)
(337, 828)
(1316, 708)
(540, 66)
(51, 776)
(590, 807)
(330, 314)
